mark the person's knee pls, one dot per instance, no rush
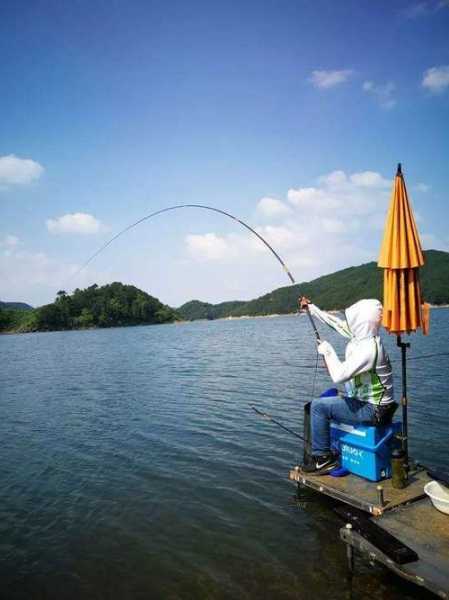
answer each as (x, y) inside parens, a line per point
(318, 407)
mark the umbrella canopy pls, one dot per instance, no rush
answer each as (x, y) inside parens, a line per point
(401, 257)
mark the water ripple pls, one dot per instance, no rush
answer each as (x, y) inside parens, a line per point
(133, 466)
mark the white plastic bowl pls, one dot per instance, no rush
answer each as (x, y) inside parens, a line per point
(439, 495)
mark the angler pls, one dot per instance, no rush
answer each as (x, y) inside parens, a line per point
(366, 373)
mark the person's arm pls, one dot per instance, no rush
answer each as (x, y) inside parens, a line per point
(342, 371)
(338, 325)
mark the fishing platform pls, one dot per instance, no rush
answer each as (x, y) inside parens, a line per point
(370, 496)
(398, 528)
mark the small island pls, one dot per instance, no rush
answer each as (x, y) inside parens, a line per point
(113, 305)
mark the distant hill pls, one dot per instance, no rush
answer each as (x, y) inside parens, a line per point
(116, 304)
(112, 305)
(195, 309)
(335, 291)
(15, 306)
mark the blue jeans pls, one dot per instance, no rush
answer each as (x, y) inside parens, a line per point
(346, 410)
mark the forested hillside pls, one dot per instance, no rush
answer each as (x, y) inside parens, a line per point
(15, 306)
(334, 291)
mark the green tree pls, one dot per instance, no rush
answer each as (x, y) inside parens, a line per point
(86, 319)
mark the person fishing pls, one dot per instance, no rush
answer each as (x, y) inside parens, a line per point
(366, 373)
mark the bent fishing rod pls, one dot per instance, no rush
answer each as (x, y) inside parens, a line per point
(204, 207)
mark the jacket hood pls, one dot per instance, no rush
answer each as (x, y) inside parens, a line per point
(364, 318)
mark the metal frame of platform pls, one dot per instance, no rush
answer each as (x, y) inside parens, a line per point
(406, 514)
(423, 528)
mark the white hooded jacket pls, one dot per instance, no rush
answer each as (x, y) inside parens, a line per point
(366, 370)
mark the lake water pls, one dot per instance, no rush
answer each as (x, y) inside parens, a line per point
(133, 467)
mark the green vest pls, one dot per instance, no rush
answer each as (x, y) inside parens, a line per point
(367, 386)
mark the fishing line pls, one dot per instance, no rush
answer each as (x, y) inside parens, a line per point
(204, 207)
(315, 373)
(422, 356)
(394, 360)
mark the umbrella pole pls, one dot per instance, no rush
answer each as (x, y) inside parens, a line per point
(404, 402)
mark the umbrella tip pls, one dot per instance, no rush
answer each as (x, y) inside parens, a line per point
(399, 171)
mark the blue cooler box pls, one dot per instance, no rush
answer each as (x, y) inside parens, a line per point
(365, 450)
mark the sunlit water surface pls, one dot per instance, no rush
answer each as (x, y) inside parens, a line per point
(133, 467)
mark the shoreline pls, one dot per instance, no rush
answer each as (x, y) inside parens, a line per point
(184, 321)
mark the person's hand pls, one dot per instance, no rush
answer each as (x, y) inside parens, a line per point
(324, 348)
(303, 302)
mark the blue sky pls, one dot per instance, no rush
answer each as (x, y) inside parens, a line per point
(290, 114)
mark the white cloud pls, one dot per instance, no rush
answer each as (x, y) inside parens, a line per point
(208, 246)
(329, 79)
(211, 247)
(436, 79)
(9, 241)
(313, 199)
(425, 8)
(333, 179)
(333, 224)
(369, 179)
(35, 277)
(422, 187)
(8, 244)
(419, 9)
(81, 223)
(270, 207)
(382, 92)
(31, 277)
(20, 171)
(284, 237)
(338, 180)
(433, 242)
(338, 192)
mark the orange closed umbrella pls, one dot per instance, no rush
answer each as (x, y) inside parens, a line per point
(402, 301)
(401, 257)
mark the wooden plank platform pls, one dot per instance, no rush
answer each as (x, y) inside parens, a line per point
(424, 529)
(362, 493)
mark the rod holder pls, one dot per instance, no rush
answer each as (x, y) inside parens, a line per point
(380, 496)
(404, 437)
(349, 551)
